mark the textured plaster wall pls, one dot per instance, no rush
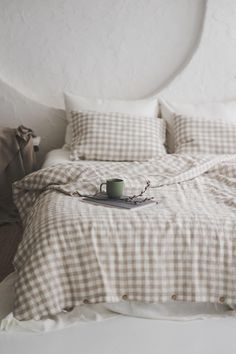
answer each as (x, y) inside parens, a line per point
(121, 49)
(211, 74)
(110, 48)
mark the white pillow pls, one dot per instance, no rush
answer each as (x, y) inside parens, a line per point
(145, 107)
(225, 111)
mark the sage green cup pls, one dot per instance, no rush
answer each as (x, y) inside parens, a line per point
(114, 188)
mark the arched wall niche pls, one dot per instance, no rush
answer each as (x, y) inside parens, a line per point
(183, 50)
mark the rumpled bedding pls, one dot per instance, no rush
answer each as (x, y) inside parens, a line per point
(74, 252)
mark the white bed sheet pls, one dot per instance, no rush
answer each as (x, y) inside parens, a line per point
(126, 335)
(56, 156)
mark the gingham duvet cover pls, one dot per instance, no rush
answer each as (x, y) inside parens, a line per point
(73, 252)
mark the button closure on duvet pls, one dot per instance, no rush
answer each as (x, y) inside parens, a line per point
(174, 297)
(222, 299)
(125, 297)
(86, 301)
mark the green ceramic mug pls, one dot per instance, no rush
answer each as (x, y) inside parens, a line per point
(114, 188)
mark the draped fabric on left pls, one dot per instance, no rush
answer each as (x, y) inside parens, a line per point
(17, 158)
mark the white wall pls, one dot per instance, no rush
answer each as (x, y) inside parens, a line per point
(111, 48)
(211, 74)
(119, 48)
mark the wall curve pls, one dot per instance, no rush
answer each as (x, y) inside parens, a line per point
(205, 71)
(119, 49)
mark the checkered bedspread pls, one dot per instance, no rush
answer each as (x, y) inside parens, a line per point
(74, 252)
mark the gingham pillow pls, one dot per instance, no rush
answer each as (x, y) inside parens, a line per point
(199, 136)
(116, 136)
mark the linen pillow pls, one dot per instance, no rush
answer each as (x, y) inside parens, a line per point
(224, 111)
(144, 107)
(116, 136)
(199, 136)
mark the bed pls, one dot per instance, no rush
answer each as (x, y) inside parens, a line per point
(176, 257)
(115, 333)
(49, 259)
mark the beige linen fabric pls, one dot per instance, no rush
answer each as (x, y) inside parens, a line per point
(116, 136)
(199, 136)
(73, 252)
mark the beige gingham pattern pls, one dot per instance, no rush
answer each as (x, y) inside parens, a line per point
(199, 136)
(75, 252)
(116, 136)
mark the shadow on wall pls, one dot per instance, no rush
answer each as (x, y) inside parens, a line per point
(47, 122)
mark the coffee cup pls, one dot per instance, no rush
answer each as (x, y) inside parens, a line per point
(114, 188)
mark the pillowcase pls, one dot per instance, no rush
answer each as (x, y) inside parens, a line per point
(116, 136)
(199, 136)
(145, 107)
(224, 111)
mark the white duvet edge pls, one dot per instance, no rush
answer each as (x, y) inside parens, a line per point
(100, 312)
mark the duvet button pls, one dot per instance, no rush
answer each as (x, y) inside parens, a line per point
(222, 299)
(86, 301)
(173, 297)
(125, 297)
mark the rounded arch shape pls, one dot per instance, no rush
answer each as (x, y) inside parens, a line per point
(119, 49)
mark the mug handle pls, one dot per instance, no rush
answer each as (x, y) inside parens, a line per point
(101, 191)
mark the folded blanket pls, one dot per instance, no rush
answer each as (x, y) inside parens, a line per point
(73, 252)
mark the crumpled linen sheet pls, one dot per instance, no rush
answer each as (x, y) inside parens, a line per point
(76, 253)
